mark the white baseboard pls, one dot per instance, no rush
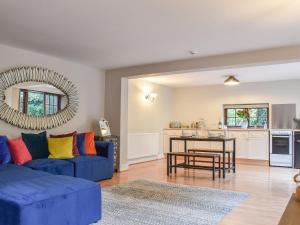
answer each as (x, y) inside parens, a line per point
(145, 159)
(161, 156)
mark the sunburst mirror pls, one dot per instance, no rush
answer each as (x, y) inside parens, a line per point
(36, 98)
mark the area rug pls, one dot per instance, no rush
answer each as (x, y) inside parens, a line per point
(143, 202)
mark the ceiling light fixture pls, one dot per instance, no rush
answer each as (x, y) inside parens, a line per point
(231, 80)
(194, 52)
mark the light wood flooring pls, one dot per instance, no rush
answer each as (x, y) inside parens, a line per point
(269, 187)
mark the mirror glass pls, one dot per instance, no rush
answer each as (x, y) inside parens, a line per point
(35, 99)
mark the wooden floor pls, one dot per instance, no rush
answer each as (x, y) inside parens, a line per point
(269, 187)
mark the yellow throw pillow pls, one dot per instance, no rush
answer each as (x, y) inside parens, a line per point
(60, 148)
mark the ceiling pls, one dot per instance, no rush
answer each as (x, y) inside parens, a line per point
(114, 33)
(288, 71)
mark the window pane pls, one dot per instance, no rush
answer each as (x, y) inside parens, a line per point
(47, 99)
(55, 109)
(253, 122)
(230, 112)
(262, 112)
(253, 112)
(262, 121)
(239, 121)
(230, 121)
(51, 99)
(55, 100)
(238, 111)
(21, 107)
(35, 104)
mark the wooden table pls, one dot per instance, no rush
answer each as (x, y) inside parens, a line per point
(209, 139)
(291, 215)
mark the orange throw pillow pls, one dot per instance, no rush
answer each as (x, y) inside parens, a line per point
(19, 151)
(90, 148)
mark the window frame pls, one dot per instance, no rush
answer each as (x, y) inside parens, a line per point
(25, 100)
(246, 107)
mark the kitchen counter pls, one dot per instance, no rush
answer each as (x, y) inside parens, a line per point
(228, 129)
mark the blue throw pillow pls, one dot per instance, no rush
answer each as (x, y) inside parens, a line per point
(81, 143)
(37, 145)
(5, 156)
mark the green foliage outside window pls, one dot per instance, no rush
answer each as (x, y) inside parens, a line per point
(257, 117)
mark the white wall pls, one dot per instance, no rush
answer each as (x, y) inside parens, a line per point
(90, 83)
(148, 117)
(193, 103)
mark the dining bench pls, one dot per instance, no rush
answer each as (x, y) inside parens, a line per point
(212, 161)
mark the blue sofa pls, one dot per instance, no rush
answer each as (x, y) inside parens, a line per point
(29, 197)
(94, 168)
(45, 192)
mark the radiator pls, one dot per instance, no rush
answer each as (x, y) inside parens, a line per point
(143, 145)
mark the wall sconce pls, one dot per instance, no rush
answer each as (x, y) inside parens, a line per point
(151, 97)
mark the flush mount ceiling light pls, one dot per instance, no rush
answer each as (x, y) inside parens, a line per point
(231, 80)
(194, 52)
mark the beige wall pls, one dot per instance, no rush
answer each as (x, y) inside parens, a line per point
(193, 103)
(89, 81)
(145, 116)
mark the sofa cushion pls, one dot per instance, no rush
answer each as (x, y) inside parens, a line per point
(92, 168)
(81, 143)
(30, 197)
(90, 143)
(60, 148)
(74, 136)
(36, 144)
(87, 143)
(19, 151)
(5, 156)
(53, 166)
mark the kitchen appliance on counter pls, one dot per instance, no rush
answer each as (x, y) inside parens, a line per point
(297, 149)
(281, 148)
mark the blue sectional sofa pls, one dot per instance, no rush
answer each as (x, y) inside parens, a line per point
(55, 192)
(94, 168)
(29, 197)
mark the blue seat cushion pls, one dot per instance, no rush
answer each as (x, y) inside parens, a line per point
(29, 197)
(53, 166)
(92, 168)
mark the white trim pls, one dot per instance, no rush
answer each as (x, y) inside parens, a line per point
(145, 159)
(124, 167)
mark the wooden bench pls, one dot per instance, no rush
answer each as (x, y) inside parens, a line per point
(219, 151)
(215, 159)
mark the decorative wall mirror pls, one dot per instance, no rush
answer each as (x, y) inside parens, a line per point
(36, 98)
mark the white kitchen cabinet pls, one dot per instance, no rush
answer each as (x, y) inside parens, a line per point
(258, 145)
(241, 143)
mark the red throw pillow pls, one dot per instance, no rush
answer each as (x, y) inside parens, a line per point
(90, 148)
(19, 151)
(74, 135)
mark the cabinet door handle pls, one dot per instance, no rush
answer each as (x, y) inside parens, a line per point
(297, 141)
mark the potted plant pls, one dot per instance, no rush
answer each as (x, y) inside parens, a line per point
(244, 114)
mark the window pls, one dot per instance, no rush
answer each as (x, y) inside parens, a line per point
(36, 103)
(257, 115)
